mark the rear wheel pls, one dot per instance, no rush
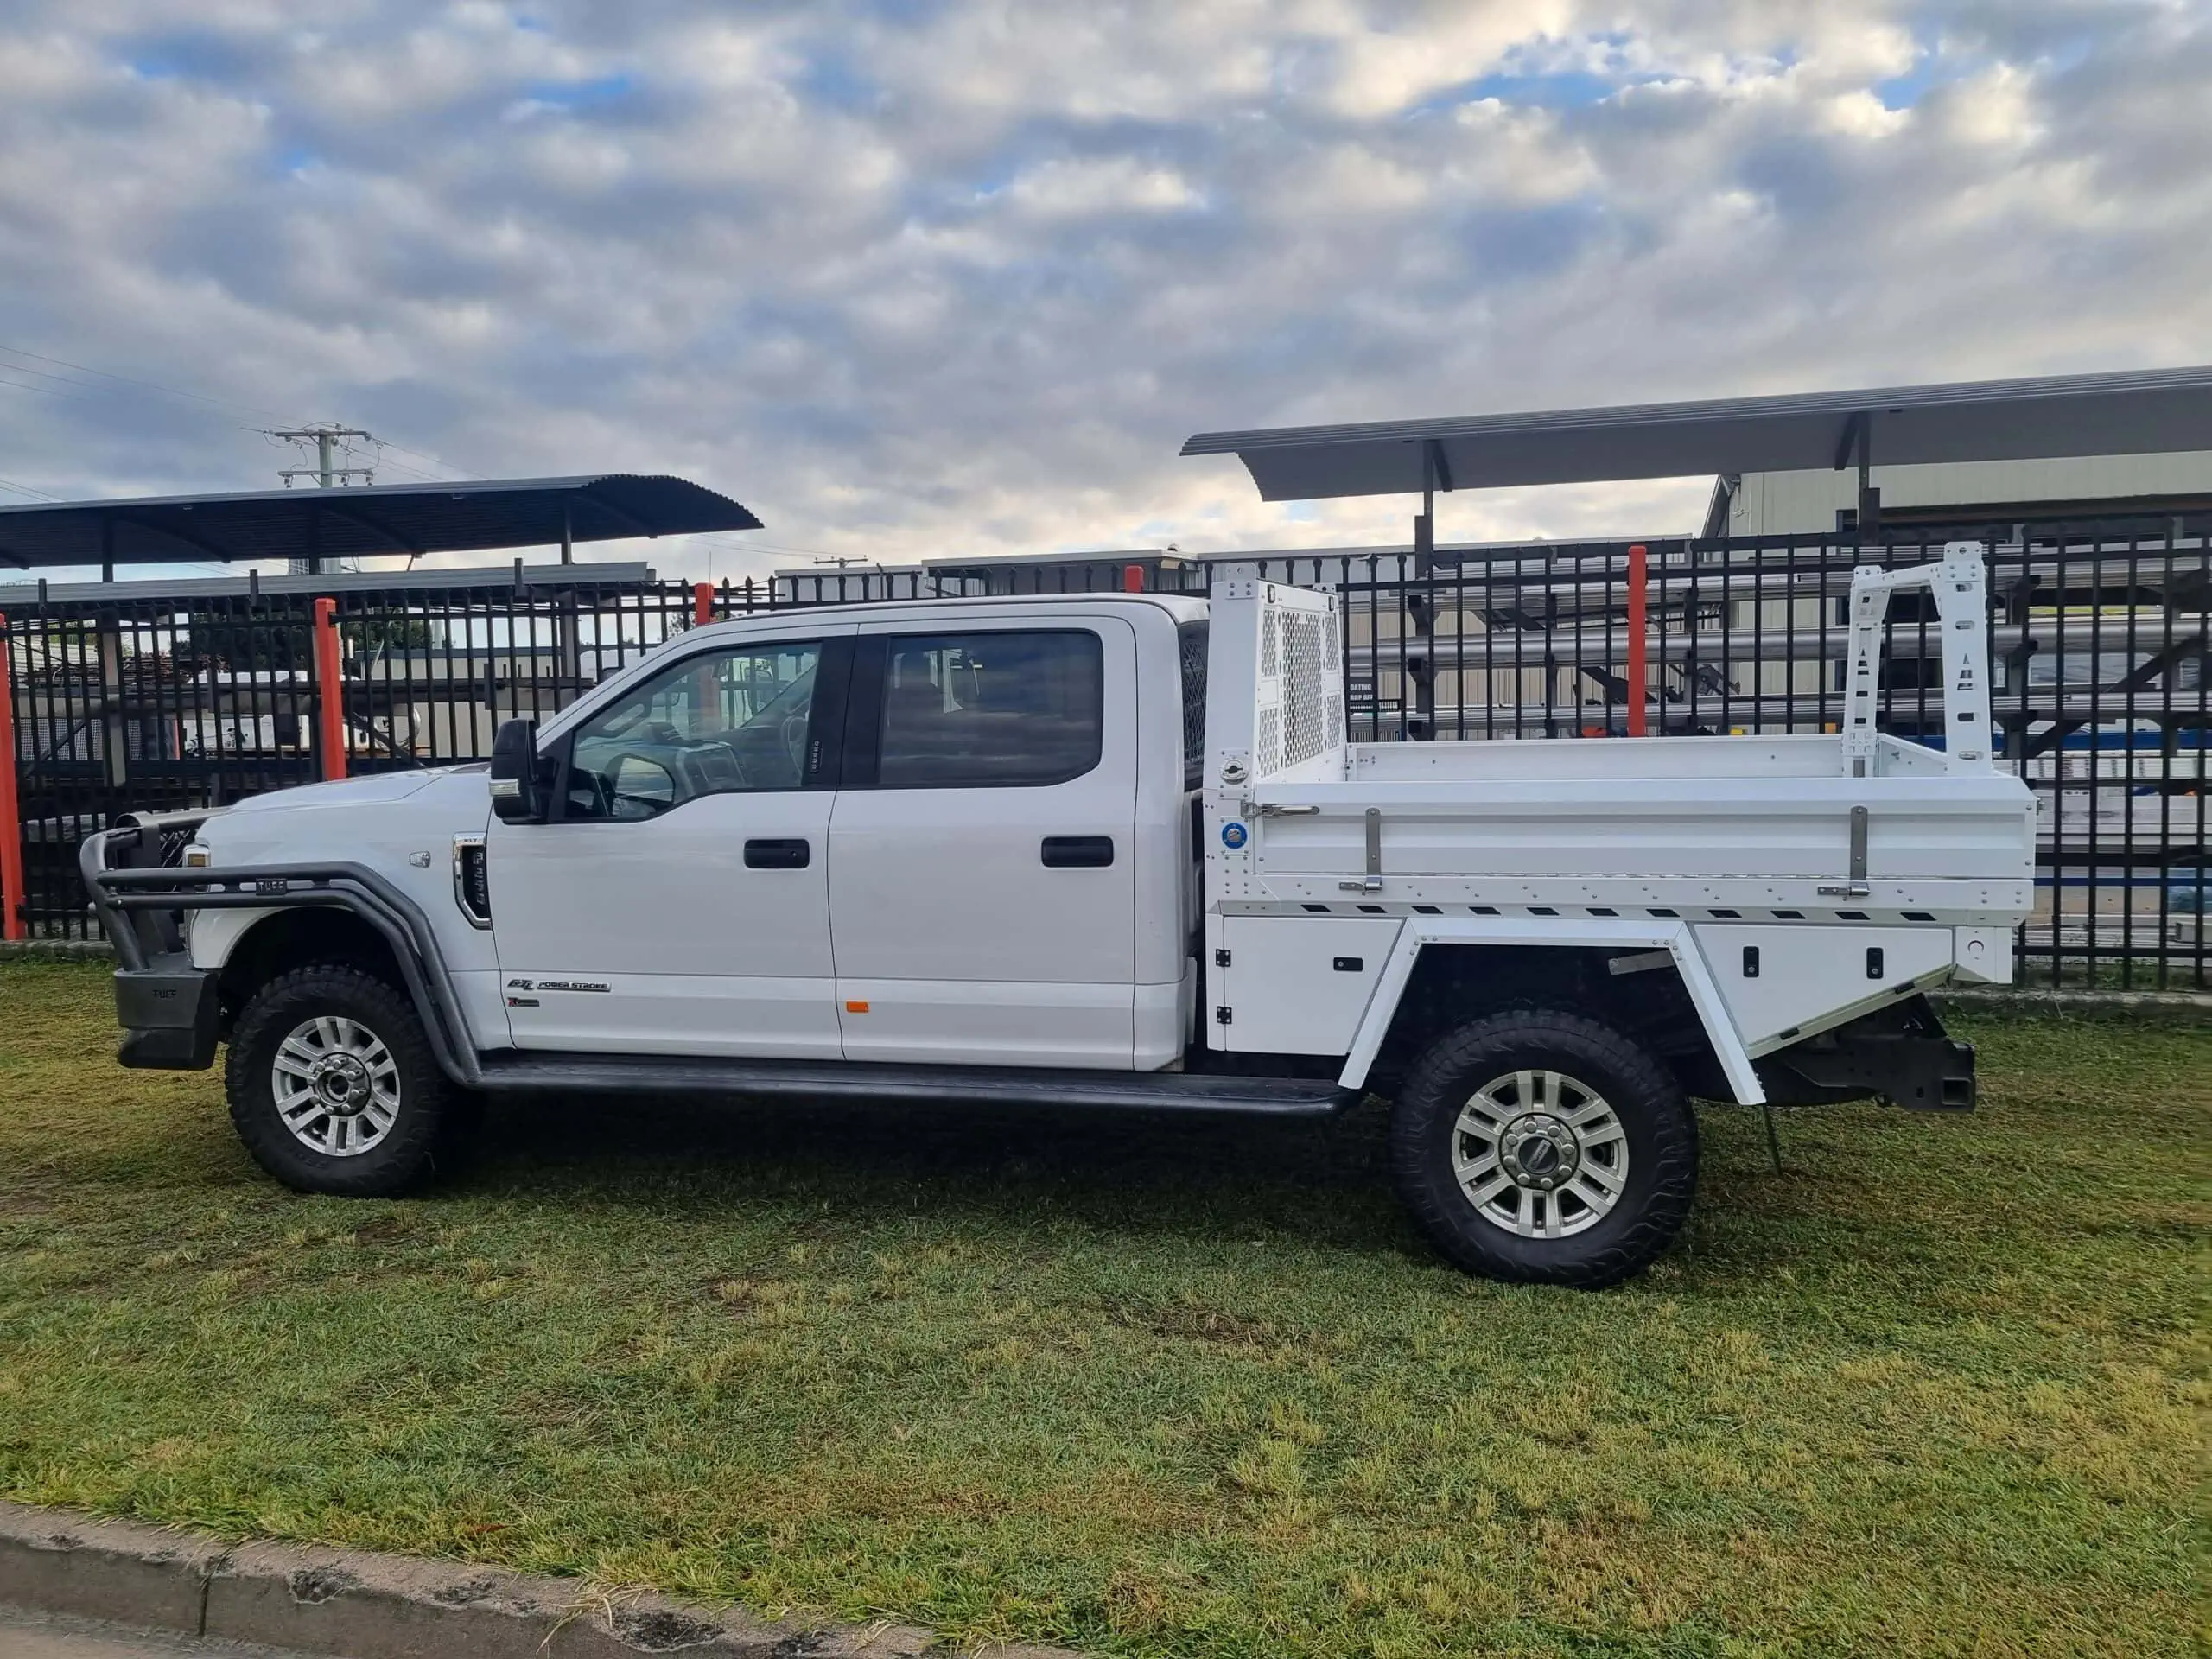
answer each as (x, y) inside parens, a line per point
(332, 1086)
(1542, 1148)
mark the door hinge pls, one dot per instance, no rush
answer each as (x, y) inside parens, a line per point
(1221, 958)
(1222, 1015)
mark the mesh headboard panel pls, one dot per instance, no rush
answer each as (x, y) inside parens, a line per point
(1299, 692)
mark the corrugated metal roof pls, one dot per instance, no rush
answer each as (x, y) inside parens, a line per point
(435, 582)
(2136, 412)
(377, 519)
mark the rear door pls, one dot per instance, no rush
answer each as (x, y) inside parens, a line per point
(981, 896)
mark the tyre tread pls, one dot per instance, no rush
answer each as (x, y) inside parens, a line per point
(411, 1150)
(1427, 1092)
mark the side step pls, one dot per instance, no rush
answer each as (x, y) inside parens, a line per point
(974, 1085)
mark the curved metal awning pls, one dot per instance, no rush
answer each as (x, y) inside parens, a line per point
(382, 519)
(2138, 412)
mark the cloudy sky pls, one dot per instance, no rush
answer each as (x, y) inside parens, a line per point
(958, 276)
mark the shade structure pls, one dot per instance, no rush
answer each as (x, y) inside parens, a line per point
(2136, 412)
(379, 519)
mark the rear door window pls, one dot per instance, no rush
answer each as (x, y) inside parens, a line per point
(990, 710)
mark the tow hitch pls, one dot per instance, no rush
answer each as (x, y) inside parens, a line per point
(1901, 1054)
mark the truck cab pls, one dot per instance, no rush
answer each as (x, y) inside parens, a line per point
(898, 834)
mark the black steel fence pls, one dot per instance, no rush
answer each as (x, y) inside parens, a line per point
(198, 694)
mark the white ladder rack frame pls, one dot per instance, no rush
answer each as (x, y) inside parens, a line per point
(1961, 588)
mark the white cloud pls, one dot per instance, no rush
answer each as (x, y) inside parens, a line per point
(1070, 189)
(913, 280)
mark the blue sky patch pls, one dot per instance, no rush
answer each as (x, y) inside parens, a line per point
(581, 94)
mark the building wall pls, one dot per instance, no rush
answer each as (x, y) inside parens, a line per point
(1784, 504)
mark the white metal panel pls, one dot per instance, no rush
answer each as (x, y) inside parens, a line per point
(1163, 1019)
(989, 1022)
(949, 926)
(1974, 827)
(386, 823)
(698, 954)
(1422, 931)
(1804, 755)
(1300, 984)
(1275, 687)
(1163, 858)
(1982, 955)
(1784, 984)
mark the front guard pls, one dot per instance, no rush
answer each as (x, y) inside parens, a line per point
(170, 1012)
(1901, 1054)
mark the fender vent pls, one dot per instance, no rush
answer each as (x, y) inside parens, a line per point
(472, 880)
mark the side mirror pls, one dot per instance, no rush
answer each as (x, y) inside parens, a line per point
(516, 796)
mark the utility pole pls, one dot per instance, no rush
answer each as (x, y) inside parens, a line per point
(325, 435)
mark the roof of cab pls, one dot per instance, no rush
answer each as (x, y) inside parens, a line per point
(1179, 608)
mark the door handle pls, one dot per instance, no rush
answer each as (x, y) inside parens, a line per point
(793, 855)
(1078, 852)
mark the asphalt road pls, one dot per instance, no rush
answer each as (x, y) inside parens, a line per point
(36, 1636)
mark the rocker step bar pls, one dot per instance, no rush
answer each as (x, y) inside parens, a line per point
(974, 1085)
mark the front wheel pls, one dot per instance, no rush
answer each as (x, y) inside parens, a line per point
(332, 1086)
(1542, 1148)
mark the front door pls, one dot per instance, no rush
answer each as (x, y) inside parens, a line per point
(677, 901)
(981, 893)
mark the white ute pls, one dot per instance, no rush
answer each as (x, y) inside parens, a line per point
(1105, 850)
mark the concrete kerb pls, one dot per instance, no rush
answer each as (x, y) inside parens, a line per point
(57, 1563)
(369, 1605)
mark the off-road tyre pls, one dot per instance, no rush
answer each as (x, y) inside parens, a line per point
(419, 1132)
(1659, 1129)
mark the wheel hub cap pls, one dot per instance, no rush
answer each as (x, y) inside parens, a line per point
(1539, 1151)
(1540, 1154)
(336, 1086)
(342, 1082)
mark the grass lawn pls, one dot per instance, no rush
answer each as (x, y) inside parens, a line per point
(1151, 1389)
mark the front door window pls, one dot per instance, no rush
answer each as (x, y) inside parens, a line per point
(726, 721)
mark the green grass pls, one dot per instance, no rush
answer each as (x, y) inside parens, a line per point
(1157, 1390)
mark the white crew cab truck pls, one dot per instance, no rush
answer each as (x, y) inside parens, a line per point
(1105, 850)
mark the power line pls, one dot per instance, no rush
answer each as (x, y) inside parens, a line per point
(20, 385)
(80, 389)
(25, 489)
(466, 472)
(150, 386)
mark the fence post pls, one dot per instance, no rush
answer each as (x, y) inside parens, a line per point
(11, 822)
(1638, 579)
(330, 690)
(703, 603)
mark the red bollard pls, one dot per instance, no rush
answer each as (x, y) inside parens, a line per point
(12, 822)
(330, 690)
(1638, 579)
(1133, 578)
(703, 603)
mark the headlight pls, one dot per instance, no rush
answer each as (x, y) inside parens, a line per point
(197, 857)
